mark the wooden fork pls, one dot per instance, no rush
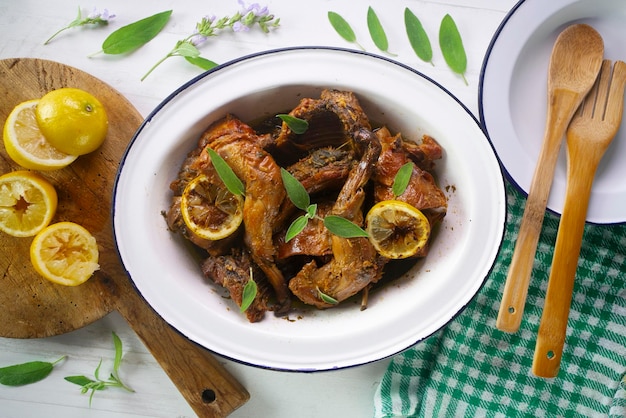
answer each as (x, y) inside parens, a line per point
(589, 135)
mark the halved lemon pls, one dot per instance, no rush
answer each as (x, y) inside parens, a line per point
(396, 229)
(72, 120)
(27, 145)
(65, 253)
(27, 203)
(209, 210)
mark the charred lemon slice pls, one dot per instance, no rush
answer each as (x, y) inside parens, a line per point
(209, 210)
(397, 229)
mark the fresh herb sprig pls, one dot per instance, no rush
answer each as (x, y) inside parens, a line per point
(93, 18)
(418, 38)
(377, 32)
(300, 198)
(401, 179)
(92, 385)
(249, 293)
(27, 373)
(209, 26)
(226, 174)
(297, 125)
(343, 28)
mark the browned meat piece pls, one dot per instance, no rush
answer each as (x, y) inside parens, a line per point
(333, 120)
(355, 263)
(422, 191)
(233, 272)
(425, 153)
(314, 241)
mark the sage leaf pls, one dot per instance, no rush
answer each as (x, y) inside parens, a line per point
(343, 28)
(343, 227)
(26, 373)
(377, 32)
(402, 178)
(249, 293)
(451, 46)
(296, 227)
(297, 125)
(203, 63)
(226, 174)
(295, 190)
(328, 299)
(417, 36)
(133, 36)
(117, 343)
(79, 380)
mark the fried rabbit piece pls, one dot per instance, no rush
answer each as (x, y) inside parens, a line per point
(355, 263)
(237, 144)
(422, 192)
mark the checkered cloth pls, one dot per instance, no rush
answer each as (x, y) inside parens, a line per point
(469, 368)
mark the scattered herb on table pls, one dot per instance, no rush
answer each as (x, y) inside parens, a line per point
(417, 36)
(114, 380)
(208, 26)
(377, 32)
(343, 28)
(451, 46)
(93, 18)
(134, 35)
(26, 373)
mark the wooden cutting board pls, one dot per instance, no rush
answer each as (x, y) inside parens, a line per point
(32, 307)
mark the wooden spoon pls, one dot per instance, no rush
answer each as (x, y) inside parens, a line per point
(588, 138)
(574, 64)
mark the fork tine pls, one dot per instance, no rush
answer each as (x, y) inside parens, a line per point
(597, 96)
(615, 101)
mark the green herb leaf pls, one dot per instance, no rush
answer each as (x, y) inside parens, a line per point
(133, 36)
(402, 178)
(226, 174)
(452, 46)
(342, 27)
(295, 190)
(377, 32)
(417, 36)
(26, 373)
(296, 227)
(328, 299)
(117, 343)
(203, 63)
(297, 125)
(249, 293)
(79, 380)
(343, 227)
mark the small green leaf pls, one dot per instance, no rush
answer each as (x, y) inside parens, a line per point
(343, 28)
(452, 46)
(185, 49)
(132, 36)
(402, 178)
(203, 63)
(417, 36)
(296, 227)
(343, 227)
(249, 293)
(226, 174)
(297, 125)
(376, 31)
(328, 299)
(117, 343)
(311, 211)
(25, 373)
(295, 190)
(79, 380)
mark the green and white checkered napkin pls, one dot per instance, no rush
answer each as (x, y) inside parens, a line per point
(470, 368)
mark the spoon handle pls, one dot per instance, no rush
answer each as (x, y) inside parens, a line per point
(552, 328)
(561, 107)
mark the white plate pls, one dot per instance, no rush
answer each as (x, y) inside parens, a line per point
(513, 96)
(402, 313)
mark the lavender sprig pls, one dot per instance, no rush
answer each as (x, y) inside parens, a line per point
(93, 18)
(210, 26)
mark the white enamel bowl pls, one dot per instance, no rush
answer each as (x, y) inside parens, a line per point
(402, 313)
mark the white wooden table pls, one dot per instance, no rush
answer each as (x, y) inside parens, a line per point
(26, 24)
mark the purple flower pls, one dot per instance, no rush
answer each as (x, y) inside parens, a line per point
(256, 10)
(198, 40)
(105, 16)
(240, 27)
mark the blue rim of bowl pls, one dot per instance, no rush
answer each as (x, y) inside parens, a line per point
(225, 65)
